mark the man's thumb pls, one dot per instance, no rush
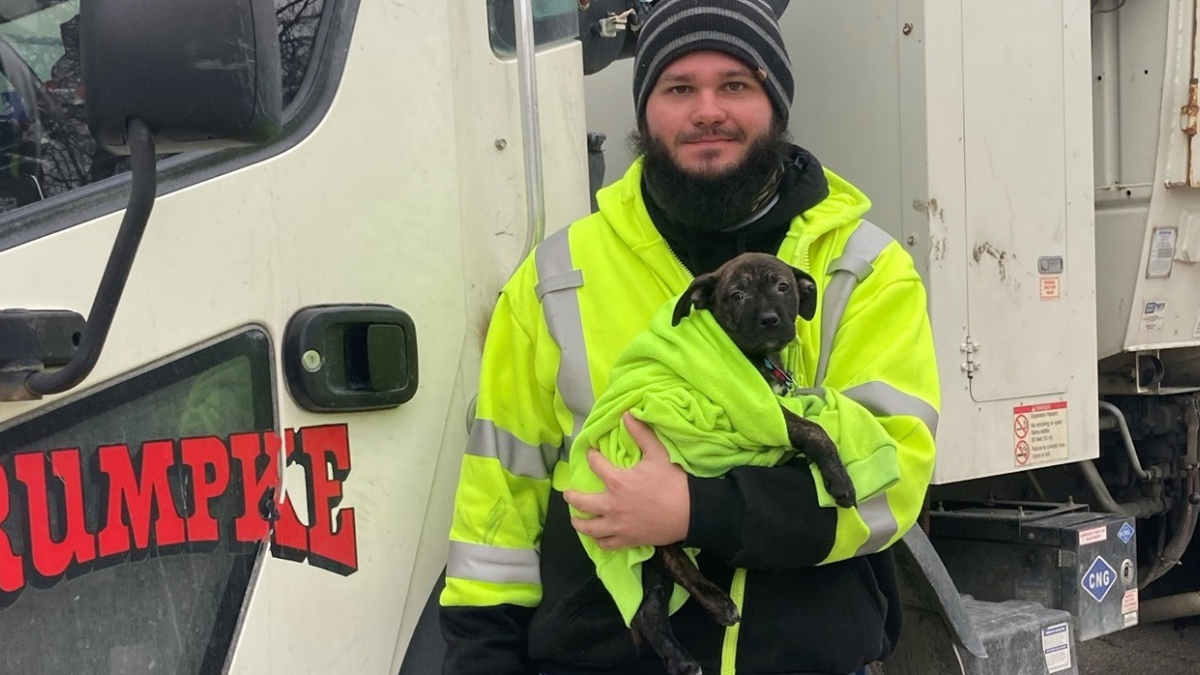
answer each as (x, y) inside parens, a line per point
(644, 436)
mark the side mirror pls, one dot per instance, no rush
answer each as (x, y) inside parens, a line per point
(160, 76)
(200, 74)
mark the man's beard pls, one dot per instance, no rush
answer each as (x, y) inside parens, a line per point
(712, 201)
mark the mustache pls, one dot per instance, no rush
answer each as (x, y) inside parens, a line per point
(715, 133)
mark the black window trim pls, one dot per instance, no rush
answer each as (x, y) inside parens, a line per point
(224, 337)
(86, 203)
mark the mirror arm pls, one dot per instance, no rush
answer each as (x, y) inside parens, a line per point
(116, 271)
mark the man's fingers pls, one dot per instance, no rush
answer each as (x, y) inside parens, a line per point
(610, 543)
(596, 528)
(600, 465)
(644, 436)
(590, 503)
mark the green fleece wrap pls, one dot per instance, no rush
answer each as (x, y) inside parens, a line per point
(713, 411)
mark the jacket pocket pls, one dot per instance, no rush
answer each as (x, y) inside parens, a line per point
(827, 619)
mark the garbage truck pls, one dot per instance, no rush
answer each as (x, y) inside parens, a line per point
(249, 250)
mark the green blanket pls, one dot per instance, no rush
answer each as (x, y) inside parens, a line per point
(713, 411)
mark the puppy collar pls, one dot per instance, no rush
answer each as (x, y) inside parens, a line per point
(780, 375)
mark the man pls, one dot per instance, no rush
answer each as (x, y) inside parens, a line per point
(716, 177)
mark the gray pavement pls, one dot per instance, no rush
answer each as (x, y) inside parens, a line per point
(1170, 648)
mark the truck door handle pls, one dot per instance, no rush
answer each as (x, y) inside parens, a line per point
(347, 358)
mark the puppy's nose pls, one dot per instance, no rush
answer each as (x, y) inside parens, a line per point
(768, 319)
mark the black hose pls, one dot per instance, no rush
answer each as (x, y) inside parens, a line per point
(1185, 526)
(1175, 549)
(116, 272)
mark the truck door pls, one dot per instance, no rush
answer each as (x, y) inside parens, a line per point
(208, 499)
(1028, 219)
(258, 475)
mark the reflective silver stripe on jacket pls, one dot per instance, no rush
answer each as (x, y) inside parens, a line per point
(493, 563)
(855, 264)
(557, 281)
(877, 514)
(518, 457)
(883, 399)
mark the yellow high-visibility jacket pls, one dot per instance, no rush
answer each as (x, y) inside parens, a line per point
(562, 320)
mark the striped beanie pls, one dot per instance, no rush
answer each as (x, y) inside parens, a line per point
(747, 30)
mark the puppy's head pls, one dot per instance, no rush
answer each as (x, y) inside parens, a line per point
(756, 298)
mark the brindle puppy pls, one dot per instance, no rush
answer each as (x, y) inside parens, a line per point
(755, 298)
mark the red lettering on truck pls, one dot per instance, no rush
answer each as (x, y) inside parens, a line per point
(161, 500)
(12, 573)
(52, 554)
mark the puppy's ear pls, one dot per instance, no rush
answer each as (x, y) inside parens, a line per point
(698, 294)
(806, 288)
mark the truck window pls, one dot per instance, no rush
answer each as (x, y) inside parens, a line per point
(149, 607)
(553, 21)
(45, 147)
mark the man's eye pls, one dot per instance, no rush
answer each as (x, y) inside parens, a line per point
(737, 296)
(783, 287)
(680, 89)
(736, 86)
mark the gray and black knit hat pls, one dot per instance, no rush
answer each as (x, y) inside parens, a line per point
(747, 30)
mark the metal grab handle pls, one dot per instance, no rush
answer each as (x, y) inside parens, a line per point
(530, 126)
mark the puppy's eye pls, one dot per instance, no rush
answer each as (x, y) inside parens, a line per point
(783, 287)
(737, 296)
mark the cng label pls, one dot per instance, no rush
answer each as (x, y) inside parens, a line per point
(1099, 579)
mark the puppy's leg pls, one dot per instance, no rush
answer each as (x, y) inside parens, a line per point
(711, 597)
(811, 439)
(652, 624)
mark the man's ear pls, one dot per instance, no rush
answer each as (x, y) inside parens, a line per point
(806, 289)
(698, 294)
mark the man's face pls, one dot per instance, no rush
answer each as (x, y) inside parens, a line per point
(707, 108)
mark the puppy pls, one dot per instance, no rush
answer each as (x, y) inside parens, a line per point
(755, 298)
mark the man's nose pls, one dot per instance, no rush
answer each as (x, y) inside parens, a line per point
(708, 109)
(768, 319)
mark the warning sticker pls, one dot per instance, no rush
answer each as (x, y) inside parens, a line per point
(1162, 252)
(1093, 535)
(1050, 287)
(1039, 433)
(1154, 316)
(1129, 601)
(1131, 619)
(1056, 645)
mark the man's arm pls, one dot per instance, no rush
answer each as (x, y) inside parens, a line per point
(880, 395)
(493, 579)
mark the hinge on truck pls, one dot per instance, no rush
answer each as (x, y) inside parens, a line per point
(30, 342)
(972, 364)
(1189, 115)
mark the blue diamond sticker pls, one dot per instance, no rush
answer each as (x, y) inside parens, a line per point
(1099, 579)
(1126, 532)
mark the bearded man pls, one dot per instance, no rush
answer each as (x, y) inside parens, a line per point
(717, 176)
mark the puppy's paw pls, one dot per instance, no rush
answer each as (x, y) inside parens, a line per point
(720, 606)
(684, 668)
(728, 616)
(842, 491)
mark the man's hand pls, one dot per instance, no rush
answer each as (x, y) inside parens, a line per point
(645, 505)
